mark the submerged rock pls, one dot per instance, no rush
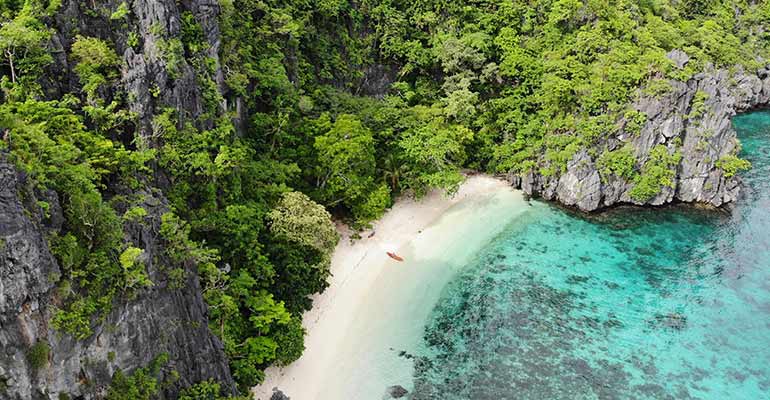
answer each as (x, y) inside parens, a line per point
(673, 321)
(397, 391)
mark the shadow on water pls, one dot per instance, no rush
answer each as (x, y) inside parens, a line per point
(631, 303)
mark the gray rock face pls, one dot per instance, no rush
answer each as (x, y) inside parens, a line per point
(701, 139)
(25, 268)
(679, 58)
(581, 183)
(376, 80)
(148, 80)
(161, 319)
(279, 395)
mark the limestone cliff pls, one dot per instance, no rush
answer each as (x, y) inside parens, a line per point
(703, 137)
(163, 319)
(154, 75)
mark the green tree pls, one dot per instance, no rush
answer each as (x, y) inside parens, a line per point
(298, 219)
(22, 43)
(207, 390)
(657, 173)
(142, 384)
(347, 165)
(434, 154)
(304, 238)
(134, 272)
(731, 165)
(96, 64)
(620, 163)
(291, 342)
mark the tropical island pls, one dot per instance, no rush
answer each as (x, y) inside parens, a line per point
(208, 199)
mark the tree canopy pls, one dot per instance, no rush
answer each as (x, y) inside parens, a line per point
(319, 110)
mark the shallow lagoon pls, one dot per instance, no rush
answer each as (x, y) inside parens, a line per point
(629, 304)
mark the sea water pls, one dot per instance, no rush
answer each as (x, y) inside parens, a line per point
(632, 303)
(372, 351)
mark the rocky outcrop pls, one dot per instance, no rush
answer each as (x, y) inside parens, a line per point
(702, 137)
(376, 80)
(164, 319)
(279, 395)
(167, 318)
(154, 75)
(25, 268)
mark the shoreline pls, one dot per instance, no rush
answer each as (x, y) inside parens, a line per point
(369, 292)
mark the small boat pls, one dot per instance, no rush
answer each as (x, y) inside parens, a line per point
(394, 256)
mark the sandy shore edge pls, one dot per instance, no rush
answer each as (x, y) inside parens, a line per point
(355, 268)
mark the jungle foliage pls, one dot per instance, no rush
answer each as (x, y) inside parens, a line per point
(494, 85)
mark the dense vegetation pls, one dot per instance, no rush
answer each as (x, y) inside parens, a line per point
(495, 85)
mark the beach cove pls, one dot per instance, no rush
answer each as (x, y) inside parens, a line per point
(179, 179)
(500, 297)
(375, 307)
(630, 303)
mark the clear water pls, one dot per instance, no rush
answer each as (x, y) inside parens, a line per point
(633, 303)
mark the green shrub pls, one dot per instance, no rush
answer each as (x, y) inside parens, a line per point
(133, 39)
(135, 214)
(172, 51)
(134, 272)
(731, 165)
(207, 390)
(657, 172)
(177, 278)
(121, 12)
(129, 256)
(155, 91)
(635, 121)
(559, 151)
(37, 355)
(657, 88)
(620, 163)
(96, 63)
(698, 105)
(142, 384)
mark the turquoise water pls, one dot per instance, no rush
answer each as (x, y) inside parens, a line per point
(632, 303)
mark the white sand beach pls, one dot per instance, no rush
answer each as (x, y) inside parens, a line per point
(376, 306)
